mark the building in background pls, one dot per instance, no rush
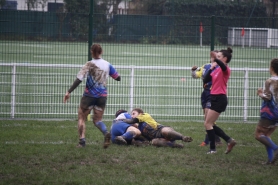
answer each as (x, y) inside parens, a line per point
(33, 5)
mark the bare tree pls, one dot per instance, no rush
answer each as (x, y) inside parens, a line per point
(43, 4)
(31, 4)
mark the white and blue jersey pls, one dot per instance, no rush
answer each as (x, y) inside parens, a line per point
(269, 108)
(97, 72)
(119, 127)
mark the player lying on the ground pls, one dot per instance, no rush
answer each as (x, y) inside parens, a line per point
(123, 133)
(158, 134)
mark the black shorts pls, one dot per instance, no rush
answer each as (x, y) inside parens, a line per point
(218, 102)
(90, 103)
(150, 133)
(205, 99)
(263, 122)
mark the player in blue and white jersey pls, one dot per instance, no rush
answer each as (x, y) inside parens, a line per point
(94, 97)
(269, 113)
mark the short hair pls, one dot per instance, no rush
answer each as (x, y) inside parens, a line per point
(227, 53)
(140, 111)
(120, 112)
(274, 65)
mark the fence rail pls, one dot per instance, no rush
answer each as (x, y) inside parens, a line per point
(161, 94)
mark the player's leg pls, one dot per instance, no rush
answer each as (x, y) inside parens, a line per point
(170, 134)
(269, 149)
(118, 128)
(218, 105)
(83, 112)
(137, 139)
(161, 142)
(82, 115)
(218, 131)
(204, 99)
(98, 111)
(262, 134)
(211, 117)
(129, 134)
(206, 104)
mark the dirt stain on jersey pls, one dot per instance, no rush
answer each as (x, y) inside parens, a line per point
(98, 75)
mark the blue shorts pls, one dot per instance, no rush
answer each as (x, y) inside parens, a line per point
(118, 128)
(205, 99)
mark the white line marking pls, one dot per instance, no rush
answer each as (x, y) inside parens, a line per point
(57, 56)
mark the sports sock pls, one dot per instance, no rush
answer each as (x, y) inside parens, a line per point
(211, 136)
(218, 131)
(82, 141)
(129, 135)
(269, 153)
(102, 127)
(267, 142)
(206, 139)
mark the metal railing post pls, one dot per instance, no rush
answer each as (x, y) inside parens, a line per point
(131, 88)
(245, 104)
(13, 91)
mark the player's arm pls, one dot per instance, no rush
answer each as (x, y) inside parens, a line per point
(131, 121)
(221, 64)
(80, 76)
(113, 73)
(266, 93)
(207, 77)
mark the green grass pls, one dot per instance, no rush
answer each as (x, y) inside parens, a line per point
(43, 152)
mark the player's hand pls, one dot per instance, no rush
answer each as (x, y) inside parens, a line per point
(194, 68)
(213, 55)
(213, 65)
(259, 91)
(66, 97)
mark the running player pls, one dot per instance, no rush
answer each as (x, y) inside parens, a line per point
(269, 113)
(94, 97)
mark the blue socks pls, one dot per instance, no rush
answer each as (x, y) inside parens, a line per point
(102, 127)
(268, 142)
(128, 135)
(269, 153)
(270, 146)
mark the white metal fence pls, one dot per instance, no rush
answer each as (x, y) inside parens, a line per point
(262, 37)
(35, 91)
